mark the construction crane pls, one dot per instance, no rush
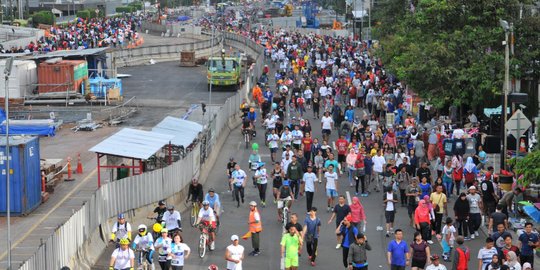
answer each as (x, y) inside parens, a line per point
(309, 15)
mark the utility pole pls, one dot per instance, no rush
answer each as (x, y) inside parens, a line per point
(506, 88)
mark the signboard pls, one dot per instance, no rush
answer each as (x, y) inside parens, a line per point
(518, 124)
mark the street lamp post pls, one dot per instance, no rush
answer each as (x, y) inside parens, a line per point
(504, 24)
(7, 72)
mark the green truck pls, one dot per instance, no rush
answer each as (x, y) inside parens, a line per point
(223, 71)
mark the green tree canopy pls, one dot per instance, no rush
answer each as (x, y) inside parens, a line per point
(451, 51)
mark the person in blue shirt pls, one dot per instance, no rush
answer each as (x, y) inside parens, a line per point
(398, 252)
(349, 114)
(348, 233)
(528, 241)
(213, 198)
(268, 95)
(425, 187)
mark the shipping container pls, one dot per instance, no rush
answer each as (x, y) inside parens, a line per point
(62, 76)
(25, 178)
(22, 79)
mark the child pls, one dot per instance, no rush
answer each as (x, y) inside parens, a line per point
(448, 238)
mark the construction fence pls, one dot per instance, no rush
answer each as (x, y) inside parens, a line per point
(65, 244)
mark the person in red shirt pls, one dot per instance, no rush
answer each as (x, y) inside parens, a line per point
(341, 146)
(307, 141)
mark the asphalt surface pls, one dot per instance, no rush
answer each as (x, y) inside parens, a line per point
(234, 220)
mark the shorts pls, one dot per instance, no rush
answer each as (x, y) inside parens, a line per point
(280, 202)
(291, 261)
(389, 216)
(273, 150)
(418, 263)
(326, 131)
(331, 193)
(341, 158)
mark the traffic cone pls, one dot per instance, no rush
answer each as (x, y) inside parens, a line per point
(79, 164)
(69, 171)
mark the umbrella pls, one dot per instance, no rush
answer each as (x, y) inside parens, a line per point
(532, 212)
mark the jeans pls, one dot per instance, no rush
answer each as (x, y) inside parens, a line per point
(403, 197)
(294, 187)
(458, 187)
(438, 223)
(362, 180)
(463, 226)
(351, 175)
(345, 255)
(449, 186)
(312, 248)
(309, 200)
(475, 220)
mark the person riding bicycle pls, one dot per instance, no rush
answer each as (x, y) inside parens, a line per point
(172, 220)
(246, 125)
(207, 218)
(252, 115)
(122, 257)
(159, 210)
(195, 191)
(244, 108)
(145, 243)
(238, 182)
(285, 194)
(121, 229)
(213, 198)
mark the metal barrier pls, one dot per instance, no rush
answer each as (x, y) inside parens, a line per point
(137, 191)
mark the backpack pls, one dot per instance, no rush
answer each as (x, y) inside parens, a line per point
(464, 257)
(458, 174)
(469, 177)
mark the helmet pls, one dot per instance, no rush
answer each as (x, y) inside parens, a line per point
(124, 241)
(121, 216)
(142, 229)
(157, 227)
(213, 267)
(204, 203)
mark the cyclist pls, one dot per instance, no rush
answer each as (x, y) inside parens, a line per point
(252, 116)
(195, 192)
(247, 127)
(208, 219)
(163, 244)
(121, 229)
(159, 210)
(213, 198)
(238, 182)
(122, 257)
(145, 243)
(284, 194)
(172, 220)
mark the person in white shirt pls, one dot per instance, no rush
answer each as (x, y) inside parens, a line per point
(172, 220)
(121, 229)
(234, 254)
(331, 185)
(208, 218)
(323, 91)
(122, 257)
(308, 181)
(435, 264)
(378, 168)
(238, 182)
(144, 242)
(308, 94)
(261, 177)
(297, 136)
(273, 140)
(179, 252)
(163, 245)
(326, 124)
(286, 138)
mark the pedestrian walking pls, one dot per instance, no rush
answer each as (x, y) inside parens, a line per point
(308, 184)
(475, 214)
(461, 211)
(255, 228)
(398, 255)
(461, 256)
(358, 215)
(422, 220)
(347, 232)
(389, 201)
(438, 199)
(339, 212)
(312, 227)
(420, 252)
(357, 258)
(234, 254)
(291, 245)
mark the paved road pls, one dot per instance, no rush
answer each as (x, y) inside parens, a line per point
(234, 220)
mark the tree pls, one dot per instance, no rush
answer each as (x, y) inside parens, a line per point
(528, 168)
(448, 51)
(43, 17)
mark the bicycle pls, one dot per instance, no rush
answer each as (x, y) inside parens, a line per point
(248, 134)
(204, 240)
(194, 212)
(143, 263)
(284, 212)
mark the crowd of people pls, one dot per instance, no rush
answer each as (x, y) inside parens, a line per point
(371, 141)
(84, 34)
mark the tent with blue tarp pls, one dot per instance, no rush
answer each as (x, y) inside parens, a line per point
(532, 212)
(33, 129)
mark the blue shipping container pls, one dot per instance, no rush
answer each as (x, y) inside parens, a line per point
(25, 179)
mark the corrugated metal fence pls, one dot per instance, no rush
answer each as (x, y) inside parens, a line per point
(137, 191)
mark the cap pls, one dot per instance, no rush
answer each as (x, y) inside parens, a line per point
(472, 188)
(211, 190)
(434, 257)
(170, 207)
(349, 218)
(162, 202)
(234, 237)
(252, 203)
(121, 216)
(164, 230)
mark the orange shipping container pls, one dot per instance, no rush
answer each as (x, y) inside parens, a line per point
(62, 76)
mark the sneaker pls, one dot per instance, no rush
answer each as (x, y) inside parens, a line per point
(263, 204)
(213, 246)
(387, 235)
(252, 253)
(338, 246)
(467, 238)
(257, 253)
(476, 233)
(242, 200)
(472, 236)
(313, 264)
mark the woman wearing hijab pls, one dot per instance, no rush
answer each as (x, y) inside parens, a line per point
(422, 220)
(495, 263)
(391, 138)
(351, 161)
(511, 261)
(358, 214)
(469, 172)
